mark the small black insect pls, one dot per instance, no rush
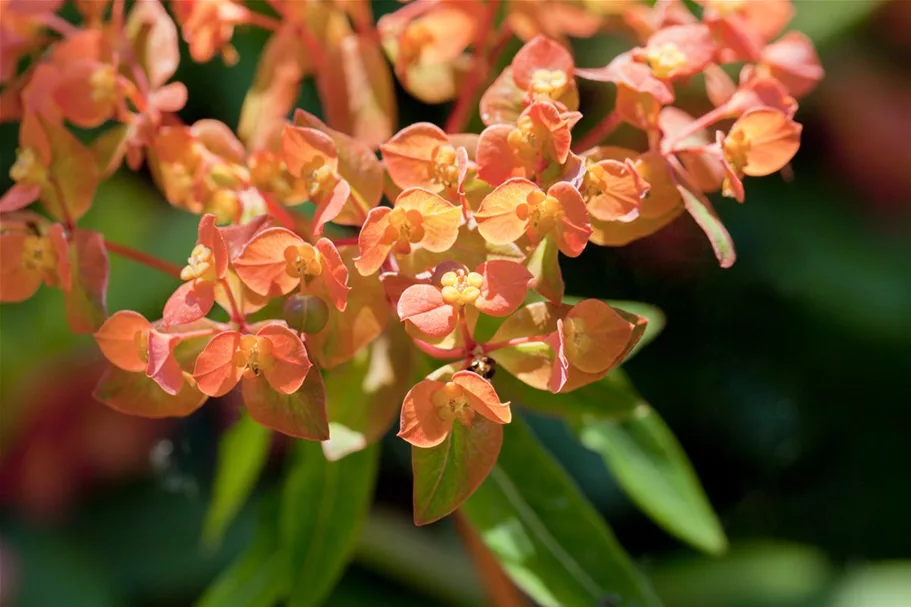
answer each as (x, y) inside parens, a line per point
(484, 366)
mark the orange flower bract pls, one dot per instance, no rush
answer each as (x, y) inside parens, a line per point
(432, 407)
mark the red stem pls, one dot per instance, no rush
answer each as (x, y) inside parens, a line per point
(280, 213)
(58, 24)
(264, 21)
(145, 259)
(480, 61)
(236, 315)
(598, 133)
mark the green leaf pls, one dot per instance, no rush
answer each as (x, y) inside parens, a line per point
(259, 577)
(879, 585)
(612, 396)
(550, 540)
(446, 475)
(821, 24)
(242, 454)
(301, 414)
(652, 468)
(323, 505)
(704, 214)
(754, 574)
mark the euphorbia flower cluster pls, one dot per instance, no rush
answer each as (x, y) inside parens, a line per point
(361, 233)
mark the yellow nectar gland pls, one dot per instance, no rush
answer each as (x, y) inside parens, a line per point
(269, 173)
(726, 8)
(525, 141)
(38, 255)
(200, 265)
(303, 262)
(28, 169)
(319, 177)
(405, 228)
(224, 204)
(594, 182)
(445, 169)
(141, 340)
(412, 42)
(549, 83)
(461, 287)
(540, 211)
(736, 147)
(103, 83)
(665, 59)
(254, 355)
(451, 403)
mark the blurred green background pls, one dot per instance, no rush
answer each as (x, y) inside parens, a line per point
(785, 379)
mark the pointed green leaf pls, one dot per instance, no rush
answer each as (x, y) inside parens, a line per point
(446, 475)
(549, 539)
(242, 453)
(323, 505)
(259, 577)
(301, 414)
(652, 468)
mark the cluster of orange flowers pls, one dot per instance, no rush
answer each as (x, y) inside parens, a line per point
(474, 225)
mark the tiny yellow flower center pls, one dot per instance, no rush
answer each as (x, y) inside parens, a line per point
(200, 265)
(540, 211)
(38, 254)
(28, 169)
(445, 166)
(269, 173)
(254, 355)
(736, 147)
(412, 42)
(103, 83)
(460, 287)
(525, 140)
(141, 340)
(451, 403)
(405, 228)
(319, 177)
(303, 262)
(726, 8)
(549, 83)
(665, 59)
(224, 204)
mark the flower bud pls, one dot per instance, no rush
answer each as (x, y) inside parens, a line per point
(306, 313)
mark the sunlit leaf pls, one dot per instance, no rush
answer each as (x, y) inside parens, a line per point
(323, 505)
(549, 539)
(242, 453)
(259, 576)
(446, 475)
(652, 468)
